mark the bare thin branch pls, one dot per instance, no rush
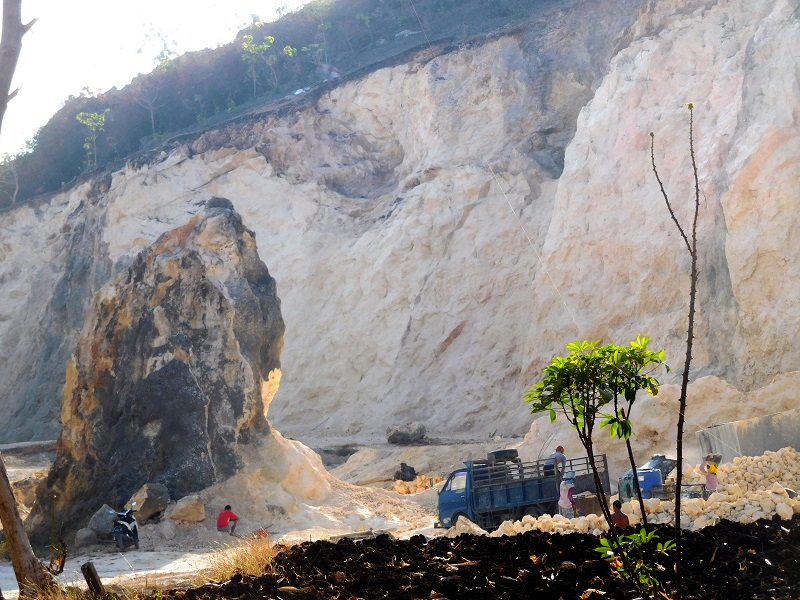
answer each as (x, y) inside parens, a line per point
(664, 193)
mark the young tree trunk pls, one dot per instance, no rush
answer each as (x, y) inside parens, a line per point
(688, 359)
(32, 576)
(690, 242)
(636, 485)
(30, 573)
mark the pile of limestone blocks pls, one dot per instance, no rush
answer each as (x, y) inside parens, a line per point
(750, 488)
(420, 484)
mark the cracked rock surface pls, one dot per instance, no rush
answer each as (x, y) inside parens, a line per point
(176, 365)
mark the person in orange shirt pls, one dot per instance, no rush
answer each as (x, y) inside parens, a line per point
(226, 521)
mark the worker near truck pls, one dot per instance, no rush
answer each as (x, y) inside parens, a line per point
(619, 518)
(709, 468)
(557, 462)
(566, 496)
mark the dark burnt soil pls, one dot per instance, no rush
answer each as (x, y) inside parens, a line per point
(731, 561)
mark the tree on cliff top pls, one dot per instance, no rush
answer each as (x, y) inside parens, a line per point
(30, 572)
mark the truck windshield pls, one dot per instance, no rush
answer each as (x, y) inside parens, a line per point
(457, 483)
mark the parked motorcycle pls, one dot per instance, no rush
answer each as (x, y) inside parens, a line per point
(126, 530)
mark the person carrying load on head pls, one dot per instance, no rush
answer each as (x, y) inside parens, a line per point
(557, 462)
(709, 468)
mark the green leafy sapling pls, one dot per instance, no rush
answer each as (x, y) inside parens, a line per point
(573, 385)
(586, 385)
(631, 371)
(635, 558)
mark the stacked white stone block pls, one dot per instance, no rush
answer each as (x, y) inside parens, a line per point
(750, 488)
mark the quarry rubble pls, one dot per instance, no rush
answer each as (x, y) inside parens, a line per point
(750, 488)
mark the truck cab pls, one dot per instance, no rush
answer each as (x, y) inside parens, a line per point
(453, 499)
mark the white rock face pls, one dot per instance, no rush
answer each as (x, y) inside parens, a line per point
(432, 255)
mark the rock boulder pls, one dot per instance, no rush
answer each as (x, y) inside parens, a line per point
(85, 537)
(177, 363)
(102, 522)
(189, 509)
(405, 434)
(151, 499)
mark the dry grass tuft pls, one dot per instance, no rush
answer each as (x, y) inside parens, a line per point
(74, 593)
(254, 556)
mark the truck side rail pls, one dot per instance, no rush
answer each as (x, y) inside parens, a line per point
(502, 489)
(485, 474)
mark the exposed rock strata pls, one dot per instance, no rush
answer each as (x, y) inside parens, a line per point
(175, 369)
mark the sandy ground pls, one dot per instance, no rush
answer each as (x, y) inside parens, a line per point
(134, 569)
(163, 563)
(174, 553)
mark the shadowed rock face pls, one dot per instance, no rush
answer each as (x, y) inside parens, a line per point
(176, 365)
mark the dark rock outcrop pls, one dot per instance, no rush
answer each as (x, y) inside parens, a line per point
(177, 363)
(403, 435)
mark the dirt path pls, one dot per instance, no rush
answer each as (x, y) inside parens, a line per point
(138, 570)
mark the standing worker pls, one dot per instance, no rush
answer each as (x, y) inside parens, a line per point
(557, 462)
(226, 521)
(566, 499)
(619, 518)
(709, 468)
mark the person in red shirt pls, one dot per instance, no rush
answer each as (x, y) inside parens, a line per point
(226, 521)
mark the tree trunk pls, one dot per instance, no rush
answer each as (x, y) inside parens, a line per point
(636, 485)
(691, 246)
(10, 47)
(32, 576)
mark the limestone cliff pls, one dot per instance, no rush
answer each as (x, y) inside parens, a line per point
(440, 229)
(174, 370)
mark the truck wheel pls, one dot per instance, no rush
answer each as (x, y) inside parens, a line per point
(536, 510)
(455, 518)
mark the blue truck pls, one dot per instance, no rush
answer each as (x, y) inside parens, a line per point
(653, 476)
(503, 488)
